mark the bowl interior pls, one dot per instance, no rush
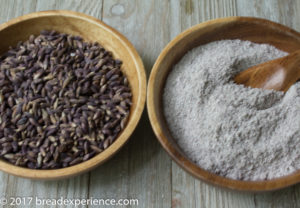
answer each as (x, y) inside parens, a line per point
(90, 29)
(252, 29)
(73, 25)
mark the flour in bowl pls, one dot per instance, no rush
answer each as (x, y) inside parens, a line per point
(228, 129)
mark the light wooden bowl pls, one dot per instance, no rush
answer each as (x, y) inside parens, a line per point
(91, 29)
(253, 29)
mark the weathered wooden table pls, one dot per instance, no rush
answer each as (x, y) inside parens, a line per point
(142, 169)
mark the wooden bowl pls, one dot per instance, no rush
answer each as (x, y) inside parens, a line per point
(91, 29)
(252, 29)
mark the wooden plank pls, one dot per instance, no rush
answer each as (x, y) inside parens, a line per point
(146, 166)
(212, 196)
(183, 14)
(186, 190)
(72, 188)
(10, 9)
(90, 7)
(216, 9)
(13, 8)
(284, 12)
(287, 13)
(68, 189)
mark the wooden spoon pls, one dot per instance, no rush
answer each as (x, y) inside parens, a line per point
(278, 74)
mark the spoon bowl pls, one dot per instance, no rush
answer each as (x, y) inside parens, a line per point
(279, 74)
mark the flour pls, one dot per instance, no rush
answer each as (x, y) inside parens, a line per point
(228, 129)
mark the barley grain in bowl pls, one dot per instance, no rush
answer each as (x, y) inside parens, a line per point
(224, 133)
(72, 92)
(63, 101)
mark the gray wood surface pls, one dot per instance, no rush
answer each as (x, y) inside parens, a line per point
(142, 169)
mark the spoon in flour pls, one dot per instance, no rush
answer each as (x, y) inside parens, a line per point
(279, 74)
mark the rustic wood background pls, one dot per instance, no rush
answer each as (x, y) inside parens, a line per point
(142, 169)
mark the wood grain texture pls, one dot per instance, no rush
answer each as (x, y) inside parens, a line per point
(146, 166)
(142, 169)
(186, 190)
(183, 15)
(285, 12)
(12, 186)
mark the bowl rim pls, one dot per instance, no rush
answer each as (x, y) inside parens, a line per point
(61, 173)
(181, 159)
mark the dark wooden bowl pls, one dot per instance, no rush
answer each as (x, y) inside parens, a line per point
(245, 28)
